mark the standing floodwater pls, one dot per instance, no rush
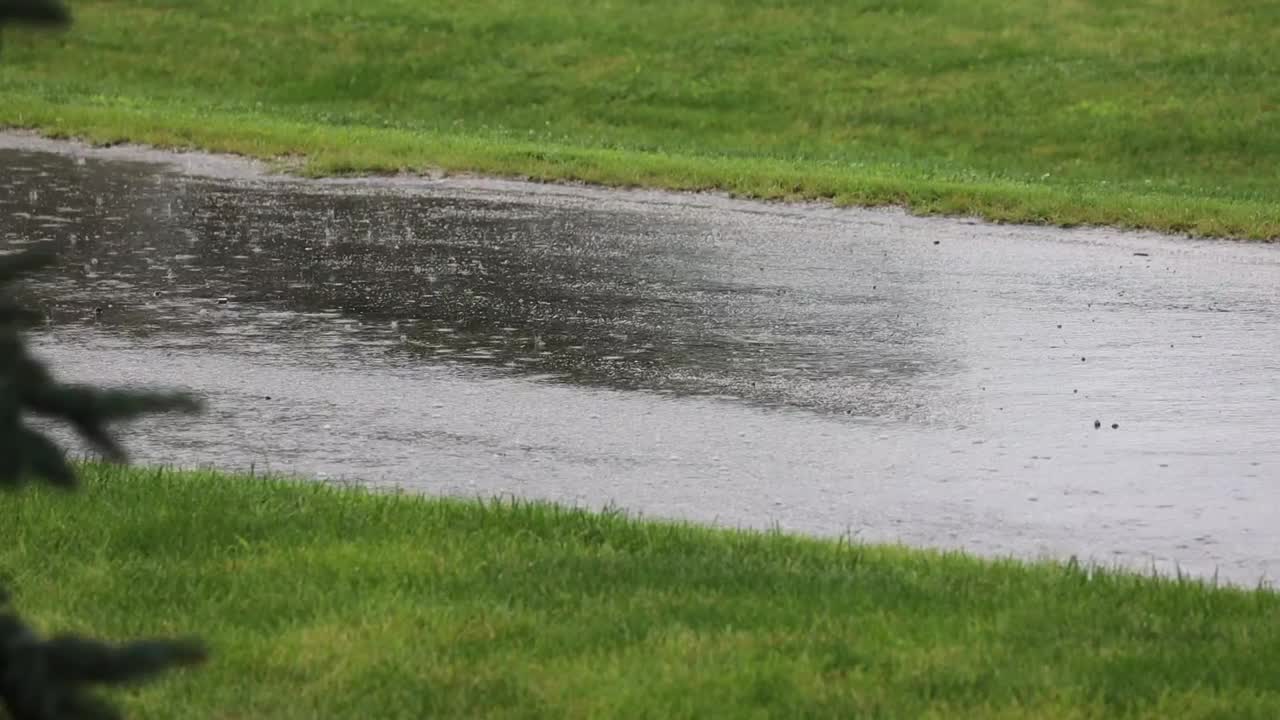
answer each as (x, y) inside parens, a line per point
(931, 381)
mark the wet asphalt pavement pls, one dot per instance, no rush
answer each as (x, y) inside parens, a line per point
(835, 372)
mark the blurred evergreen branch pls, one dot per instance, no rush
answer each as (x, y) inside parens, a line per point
(35, 12)
(51, 679)
(27, 387)
(49, 13)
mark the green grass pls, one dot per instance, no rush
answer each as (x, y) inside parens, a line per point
(333, 603)
(1154, 113)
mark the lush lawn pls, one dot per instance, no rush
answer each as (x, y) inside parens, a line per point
(330, 603)
(1155, 113)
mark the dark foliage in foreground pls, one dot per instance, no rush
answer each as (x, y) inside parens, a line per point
(34, 12)
(37, 12)
(42, 12)
(27, 387)
(51, 679)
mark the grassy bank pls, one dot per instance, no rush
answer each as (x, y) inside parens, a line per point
(326, 603)
(1156, 114)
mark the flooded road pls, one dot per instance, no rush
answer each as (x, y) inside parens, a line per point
(930, 381)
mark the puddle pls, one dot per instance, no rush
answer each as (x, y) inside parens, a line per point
(931, 381)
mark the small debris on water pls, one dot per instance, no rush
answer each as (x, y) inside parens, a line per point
(1141, 254)
(937, 242)
(1115, 426)
(1097, 424)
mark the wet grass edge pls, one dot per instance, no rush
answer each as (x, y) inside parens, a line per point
(317, 150)
(319, 598)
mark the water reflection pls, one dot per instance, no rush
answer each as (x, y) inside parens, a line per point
(402, 332)
(626, 299)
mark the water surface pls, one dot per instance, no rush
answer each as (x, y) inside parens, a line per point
(826, 371)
